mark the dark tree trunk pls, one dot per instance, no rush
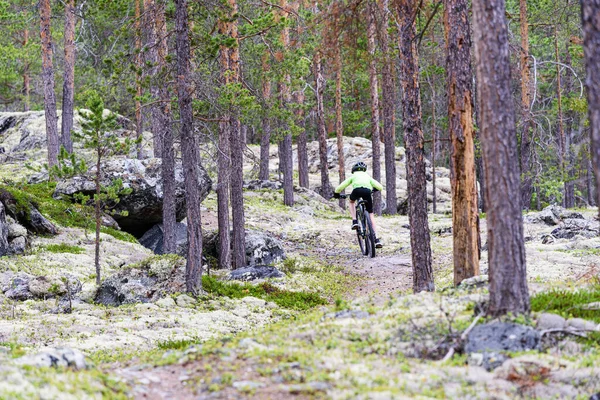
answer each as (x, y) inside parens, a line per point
(26, 77)
(374, 91)
(326, 190)
(526, 173)
(139, 124)
(155, 81)
(265, 139)
(590, 16)
(415, 157)
(224, 170)
(465, 213)
(189, 152)
(237, 197)
(302, 141)
(339, 123)
(569, 201)
(48, 81)
(286, 157)
(165, 133)
(507, 270)
(97, 216)
(388, 94)
(561, 124)
(69, 76)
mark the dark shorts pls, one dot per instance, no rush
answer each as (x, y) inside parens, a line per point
(363, 193)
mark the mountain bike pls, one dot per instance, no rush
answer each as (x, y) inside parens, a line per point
(364, 232)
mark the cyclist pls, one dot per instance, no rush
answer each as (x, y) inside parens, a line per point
(362, 187)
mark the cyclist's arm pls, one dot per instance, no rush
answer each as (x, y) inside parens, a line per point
(376, 185)
(343, 185)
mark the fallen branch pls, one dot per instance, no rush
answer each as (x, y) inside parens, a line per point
(463, 337)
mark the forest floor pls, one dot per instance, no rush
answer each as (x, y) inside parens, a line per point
(371, 339)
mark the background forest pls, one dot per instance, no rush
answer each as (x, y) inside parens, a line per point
(320, 46)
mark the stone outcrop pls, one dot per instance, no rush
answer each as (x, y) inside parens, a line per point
(140, 210)
(26, 214)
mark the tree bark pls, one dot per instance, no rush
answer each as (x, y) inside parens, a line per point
(302, 140)
(139, 123)
(388, 94)
(526, 173)
(287, 162)
(155, 81)
(561, 127)
(590, 16)
(265, 139)
(69, 76)
(48, 82)
(507, 270)
(189, 152)
(569, 197)
(26, 77)
(465, 213)
(326, 190)
(374, 92)
(413, 139)
(97, 215)
(339, 123)
(165, 133)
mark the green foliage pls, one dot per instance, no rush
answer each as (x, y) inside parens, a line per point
(568, 303)
(64, 248)
(283, 298)
(180, 344)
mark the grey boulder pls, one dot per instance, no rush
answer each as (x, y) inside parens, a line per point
(255, 272)
(502, 336)
(153, 239)
(55, 357)
(262, 248)
(140, 210)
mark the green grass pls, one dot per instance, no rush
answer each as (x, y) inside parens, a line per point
(15, 349)
(64, 248)
(181, 344)
(568, 303)
(283, 298)
(64, 213)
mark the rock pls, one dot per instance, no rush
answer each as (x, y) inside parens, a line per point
(501, 336)
(153, 239)
(17, 245)
(309, 388)
(4, 248)
(7, 122)
(255, 272)
(183, 300)
(166, 302)
(552, 215)
(43, 287)
(570, 231)
(27, 214)
(548, 216)
(262, 249)
(474, 282)
(247, 386)
(110, 222)
(595, 396)
(488, 360)
(58, 357)
(149, 281)
(358, 314)
(144, 204)
(258, 184)
(16, 230)
(591, 306)
(524, 367)
(580, 324)
(254, 302)
(550, 321)
(17, 287)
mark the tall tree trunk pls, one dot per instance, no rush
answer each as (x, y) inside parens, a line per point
(26, 77)
(326, 190)
(189, 152)
(165, 133)
(287, 162)
(374, 86)
(465, 213)
(389, 116)
(590, 16)
(302, 140)
(155, 82)
(434, 145)
(48, 81)
(139, 123)
(526, 173)
(339, 124)
(69, 76)
(97, 216)
(230, 69)
(224, 170)
(507, 270)
(569, 200)
(265, 139)
(413, 139)
(561, 127)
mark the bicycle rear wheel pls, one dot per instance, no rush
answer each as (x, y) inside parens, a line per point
(360, 233)
(369, 235)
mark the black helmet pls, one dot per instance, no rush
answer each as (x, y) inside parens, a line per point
(359, 166)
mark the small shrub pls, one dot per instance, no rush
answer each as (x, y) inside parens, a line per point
(568, 303)
(180, 344)
(64, 248)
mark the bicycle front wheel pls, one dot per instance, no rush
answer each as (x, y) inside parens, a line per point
(360, 234)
